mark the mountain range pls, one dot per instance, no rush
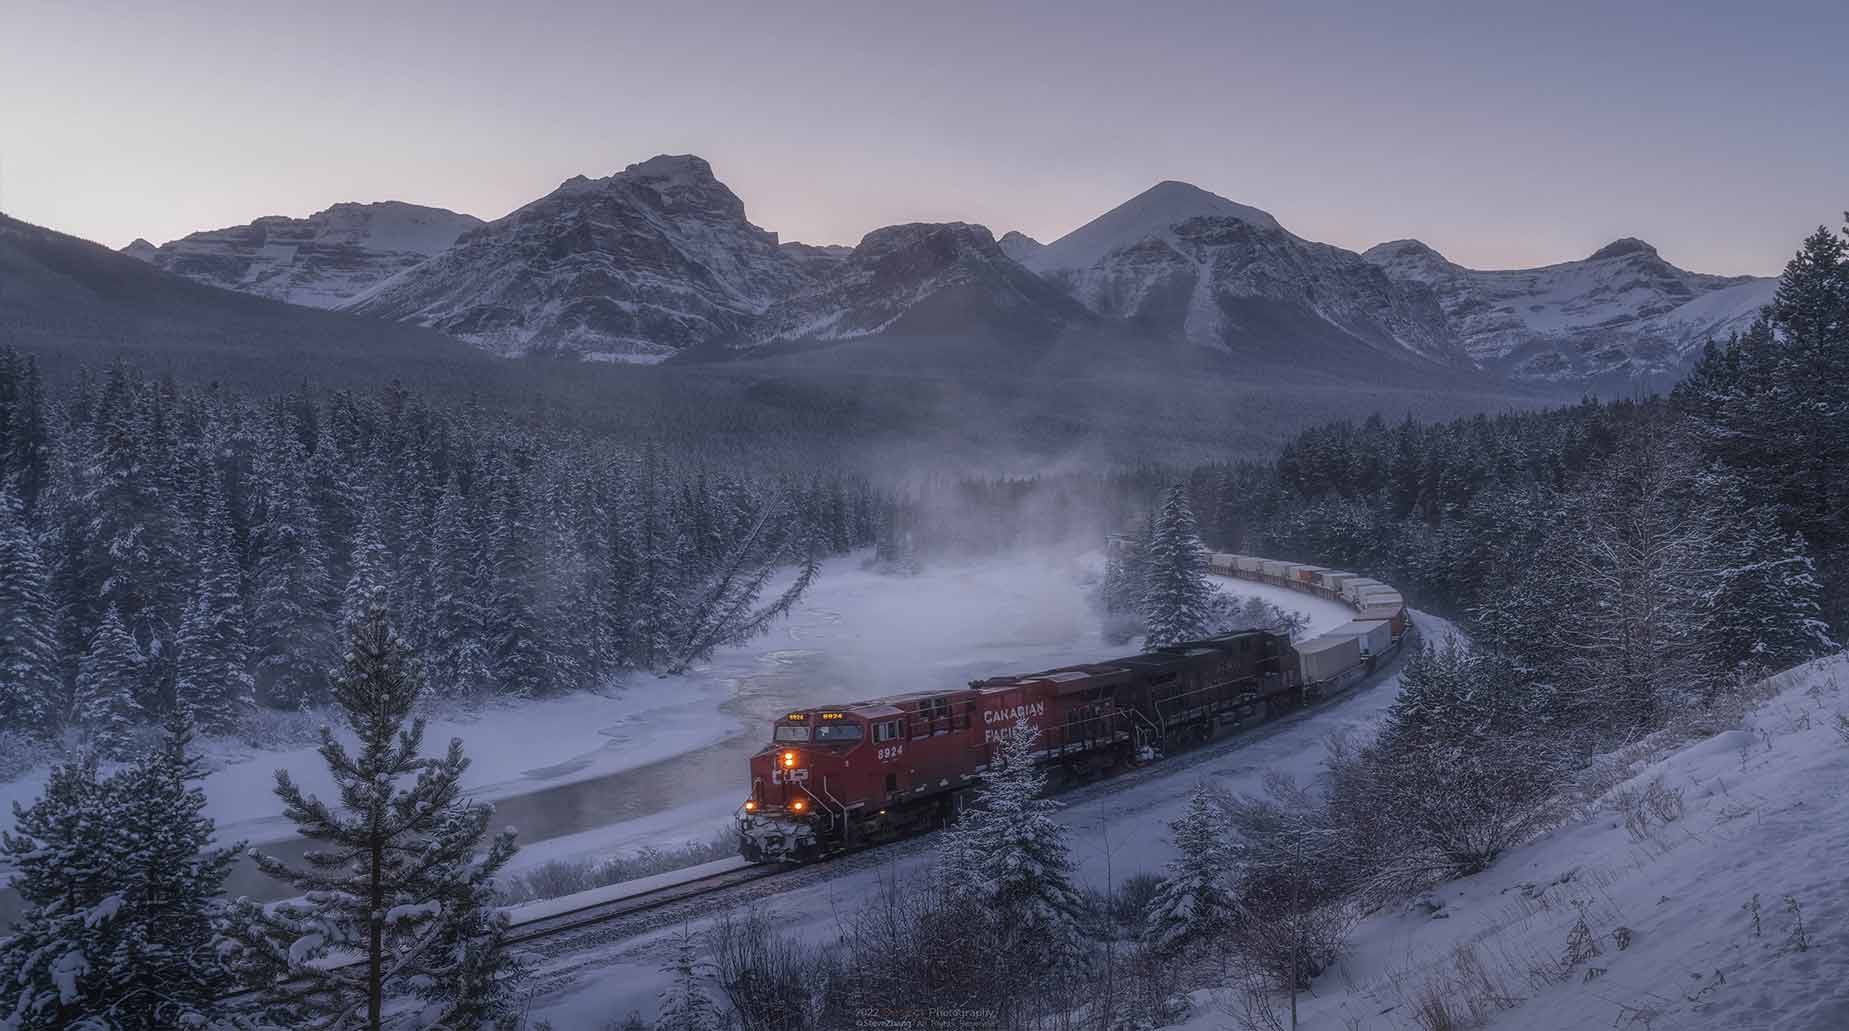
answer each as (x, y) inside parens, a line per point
(659, 261)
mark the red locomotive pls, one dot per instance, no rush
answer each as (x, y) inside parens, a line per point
(838, 777)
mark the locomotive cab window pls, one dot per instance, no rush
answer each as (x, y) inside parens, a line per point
(888, 730)
(837, 733)
(786, 732)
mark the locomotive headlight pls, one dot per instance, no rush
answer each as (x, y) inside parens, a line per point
(798, 806)
(789, 759)
(751, 806)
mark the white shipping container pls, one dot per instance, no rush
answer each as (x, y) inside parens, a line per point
(1375, 635)
(1353, 589)
(1247, 564)
(1221, 562)
(1272, 569)
(1386, 597)
(1323, 657)
(1334, 580)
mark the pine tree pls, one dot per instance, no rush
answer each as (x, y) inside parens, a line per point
(722, 608)
(162, 970)
(65, 876)
(406, 882)
(291, 635)
(369, 568)
(108, 679)
(30, 691)
(213, 684)
(684, 1004)
(1193, 903)
(458, 661)
(1176, 594)
(121, 886)
(1764, 608)
(518, 651)
(1025, 865)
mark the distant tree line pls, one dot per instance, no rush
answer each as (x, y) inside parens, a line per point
(184, 548)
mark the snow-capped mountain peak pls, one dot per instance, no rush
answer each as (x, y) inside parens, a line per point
(1152, 213)
(634, 266)
(1621, 247)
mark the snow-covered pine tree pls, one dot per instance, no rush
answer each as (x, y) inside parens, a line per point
(519, 641)
(406, 882)
(1764, 603)
(64, 874)
(1193, 903)
(162, 972)
(369, 569)
(121, 884)
(1024, 862)
(655, 600)
(1176, 593)
(458, 662)
(292, 638)
(108, 679)
(31, 696)
(213, 683)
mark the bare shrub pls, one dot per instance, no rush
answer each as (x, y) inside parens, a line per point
(1132, 899)
(1798, 940)
(771, 980)
(1842, 727)
(1582, 944)
(1657, 802)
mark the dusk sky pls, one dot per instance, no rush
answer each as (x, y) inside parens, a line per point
(1502, 134)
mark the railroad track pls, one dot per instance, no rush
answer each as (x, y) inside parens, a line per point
(601, 912)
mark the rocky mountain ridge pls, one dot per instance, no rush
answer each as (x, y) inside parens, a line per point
(320, 261)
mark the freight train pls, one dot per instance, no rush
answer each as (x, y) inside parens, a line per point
(839, 777)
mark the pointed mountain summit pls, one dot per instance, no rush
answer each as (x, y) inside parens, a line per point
(1178, 262)
(1621, 312)
(319, 261)
(1150, 213)
(635, 266)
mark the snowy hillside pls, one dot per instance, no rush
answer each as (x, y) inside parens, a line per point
(631, 267)
(923, 278)
(1180, 261)
(319, 261)
(1664, 862)
(1621, 310)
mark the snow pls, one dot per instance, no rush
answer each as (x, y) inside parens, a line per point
(413, 911)
(1766, 814)
(1114, 834)
(543, 908)
(1150, 213)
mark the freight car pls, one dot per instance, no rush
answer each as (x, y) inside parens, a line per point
(839, 777)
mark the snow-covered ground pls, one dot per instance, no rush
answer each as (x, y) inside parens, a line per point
(1115, 834)
(660, 760)
(1765, 815)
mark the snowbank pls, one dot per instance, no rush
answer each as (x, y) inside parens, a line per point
(1761, 812)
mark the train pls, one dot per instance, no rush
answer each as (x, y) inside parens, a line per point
(835, 778)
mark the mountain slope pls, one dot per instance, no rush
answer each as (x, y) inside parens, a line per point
(923, 278)
(1179, 261)
(1621, 311)
(634, 267)
(319, 261)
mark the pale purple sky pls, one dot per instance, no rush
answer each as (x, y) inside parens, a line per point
(1503, 134)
